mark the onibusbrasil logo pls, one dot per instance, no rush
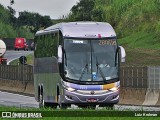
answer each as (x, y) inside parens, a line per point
(21, 115)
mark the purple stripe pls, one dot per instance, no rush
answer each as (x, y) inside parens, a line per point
(85, 87)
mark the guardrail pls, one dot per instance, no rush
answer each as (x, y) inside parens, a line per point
(22, 73)
(131, 77)
(134, 76)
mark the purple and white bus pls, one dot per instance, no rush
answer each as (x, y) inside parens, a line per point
(77, 63)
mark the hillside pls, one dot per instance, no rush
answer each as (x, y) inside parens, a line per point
(136, 22)
(7, 29)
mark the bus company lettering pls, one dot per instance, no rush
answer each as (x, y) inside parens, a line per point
(26, 115)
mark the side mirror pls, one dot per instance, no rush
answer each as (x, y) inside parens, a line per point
(123, 54)
(60, 54)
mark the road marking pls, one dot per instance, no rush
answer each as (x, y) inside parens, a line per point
(12, 60)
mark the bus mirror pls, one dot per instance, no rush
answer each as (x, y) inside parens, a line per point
(123, 53)
(59, 54)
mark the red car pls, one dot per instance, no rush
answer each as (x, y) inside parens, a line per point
(20, 43)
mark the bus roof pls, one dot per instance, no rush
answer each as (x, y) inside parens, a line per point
(81, 29)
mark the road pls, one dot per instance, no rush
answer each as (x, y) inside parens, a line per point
(10, 99)
(12, 55)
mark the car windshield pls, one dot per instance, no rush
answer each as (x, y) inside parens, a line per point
(90, 60)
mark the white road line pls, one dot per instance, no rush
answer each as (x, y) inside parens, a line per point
(11, 60)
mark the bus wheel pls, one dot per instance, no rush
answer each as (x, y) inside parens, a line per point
(54, 106)
(87, 106)
(41, 101)
(64, 106)
(108, 106)
(51, 105)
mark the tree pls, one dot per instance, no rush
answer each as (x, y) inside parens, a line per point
(83, 10)
(33, 21)
(12, 16)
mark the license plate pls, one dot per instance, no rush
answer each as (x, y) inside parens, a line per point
(92, 100)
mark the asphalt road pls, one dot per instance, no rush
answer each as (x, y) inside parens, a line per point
(12, 55)
(10, 99)
(21, 101)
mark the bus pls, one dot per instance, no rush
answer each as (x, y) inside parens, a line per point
(77, 63)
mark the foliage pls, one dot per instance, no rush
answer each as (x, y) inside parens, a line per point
(126, 16)
(24, 26)
(85, 11)
(8, 26)
(33, 21)
(12, 15)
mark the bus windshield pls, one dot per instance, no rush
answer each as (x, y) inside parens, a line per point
(90, 60)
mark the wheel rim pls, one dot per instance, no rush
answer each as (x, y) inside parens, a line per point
(41, 102)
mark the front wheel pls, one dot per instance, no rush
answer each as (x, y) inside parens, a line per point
(87, 106)
(108, 106)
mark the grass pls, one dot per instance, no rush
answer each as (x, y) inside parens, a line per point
(29, 60)
(82, 113)
(131, 16)
(142, 49)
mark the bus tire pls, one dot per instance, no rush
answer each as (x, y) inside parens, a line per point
(108, 106)
(64, 105)
(87, 106)
(50, 105)
(41, 98)
(41, 101)
(39, 92)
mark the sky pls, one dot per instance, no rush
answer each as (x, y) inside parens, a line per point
(54, 8)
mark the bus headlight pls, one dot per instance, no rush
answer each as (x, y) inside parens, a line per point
(114, 89)
(70, 89)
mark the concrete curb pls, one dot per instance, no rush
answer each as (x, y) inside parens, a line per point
(16, 86)
(151, 97)
(132, 96)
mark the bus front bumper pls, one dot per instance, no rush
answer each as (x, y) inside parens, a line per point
(90, 97)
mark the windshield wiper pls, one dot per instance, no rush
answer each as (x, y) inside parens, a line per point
(84, 69)
(100, 70)
(65, 56)
(116, 55)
